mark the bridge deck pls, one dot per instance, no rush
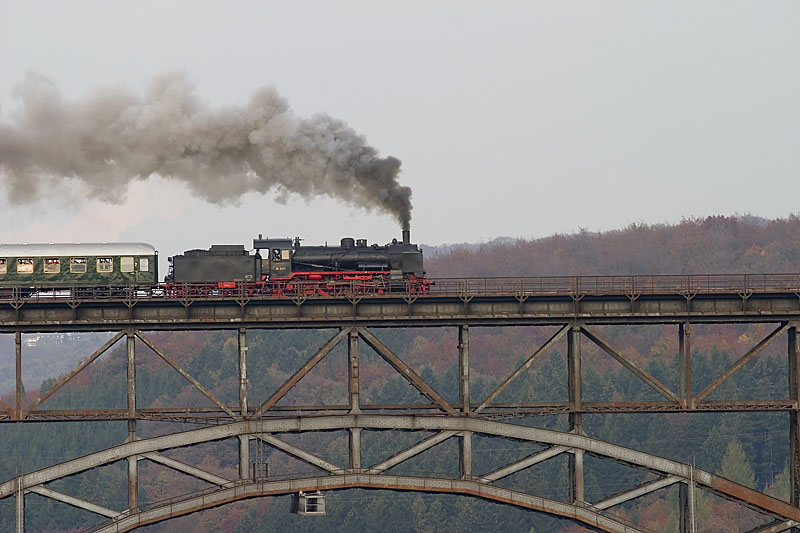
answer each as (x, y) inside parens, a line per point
(486, 301)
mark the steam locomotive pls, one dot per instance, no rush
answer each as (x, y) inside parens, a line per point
(285, 266)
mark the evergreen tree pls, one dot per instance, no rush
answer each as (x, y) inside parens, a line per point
(736, 467)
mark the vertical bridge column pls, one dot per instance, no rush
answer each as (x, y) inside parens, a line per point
(244, 440)
(685, 355)
(686, 495)
(133, 467)
(18, 364)
(794, 431)
(465, 450)
(353, 399)
(20, 506)
(575, 417)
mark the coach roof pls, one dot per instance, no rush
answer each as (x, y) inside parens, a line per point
(76, 249)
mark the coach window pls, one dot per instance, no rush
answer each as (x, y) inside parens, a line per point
(144, 264)
(3, 266)
(25, 265)
(52, 265)
(77, 265)
(105, 264)
(126, 264)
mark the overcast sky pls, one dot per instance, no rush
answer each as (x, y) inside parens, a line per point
(511, 118)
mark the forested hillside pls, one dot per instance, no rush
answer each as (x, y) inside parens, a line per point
(751, 448)
(695, 246)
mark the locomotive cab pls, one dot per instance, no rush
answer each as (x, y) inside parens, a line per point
(276, 261)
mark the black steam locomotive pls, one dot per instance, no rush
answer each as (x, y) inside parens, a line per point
(284, 266)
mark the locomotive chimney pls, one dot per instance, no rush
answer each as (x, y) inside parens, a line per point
(406, 236)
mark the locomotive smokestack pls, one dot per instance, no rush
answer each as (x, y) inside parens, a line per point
(406, 236)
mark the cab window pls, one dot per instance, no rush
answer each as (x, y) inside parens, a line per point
(25, 265)
(144, 264)
(126, 264)
(52, 265)
(77, 265)
(105, 264)
(3, 266)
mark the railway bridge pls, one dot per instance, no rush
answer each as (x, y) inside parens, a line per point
(573, 309)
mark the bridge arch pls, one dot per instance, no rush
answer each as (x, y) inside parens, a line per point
(593, 514)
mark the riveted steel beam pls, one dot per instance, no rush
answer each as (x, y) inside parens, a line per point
(244, 440)
(301, 454)
(574, 391)
(20, 507)
(243, 372)
(755, 350)
(531, 460)
(208, 394)
(185, 468)
(725, 488)
(133, 482)
(463, 367)
(301, 372)
(685, 357)
(75, 502)
(404, 370)
(687, 500)
(354, 449)
(581, 514)
(519, 371)
(131, 379)
(410, 452)
(18, 379)
(641, 490)
(353, 386)
(794, 417)
(465, 455)
(64, 380)
(630, 365)
(775, 527)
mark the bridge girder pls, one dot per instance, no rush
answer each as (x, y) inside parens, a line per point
(670, 471)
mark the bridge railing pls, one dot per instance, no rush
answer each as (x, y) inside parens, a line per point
(573, 286)
(623, 285)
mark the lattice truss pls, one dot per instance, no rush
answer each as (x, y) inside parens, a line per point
(439, 420)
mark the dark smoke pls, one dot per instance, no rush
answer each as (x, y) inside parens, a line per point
(114, 137)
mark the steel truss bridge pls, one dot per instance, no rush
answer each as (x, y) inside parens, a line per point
(575, 305)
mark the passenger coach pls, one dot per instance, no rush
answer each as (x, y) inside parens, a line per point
(80, 264)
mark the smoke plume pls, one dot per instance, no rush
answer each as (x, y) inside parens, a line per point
(114, 137)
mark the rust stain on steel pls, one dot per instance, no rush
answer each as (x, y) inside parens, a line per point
(753, 497)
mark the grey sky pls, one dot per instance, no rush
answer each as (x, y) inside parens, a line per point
(511, 118)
